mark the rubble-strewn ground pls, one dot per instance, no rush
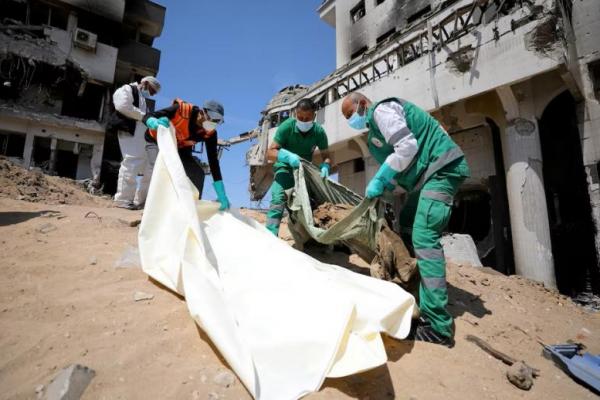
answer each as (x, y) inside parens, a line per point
(63, 301)
(19, 183)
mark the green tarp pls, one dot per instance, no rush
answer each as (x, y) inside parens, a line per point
(358, 230)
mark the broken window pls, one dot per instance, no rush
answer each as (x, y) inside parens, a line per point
(594, 68)
(107, 31)
(357, 12)
(12, 144)
(13, 11)
(419, 14)
(83, 101)
(386, 35)
(359, 52)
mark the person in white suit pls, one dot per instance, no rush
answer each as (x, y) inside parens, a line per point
(138, 156)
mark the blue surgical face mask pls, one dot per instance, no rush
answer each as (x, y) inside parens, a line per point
(145, 93)
(304, 126)
(357, 121)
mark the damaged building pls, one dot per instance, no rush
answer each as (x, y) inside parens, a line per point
(60, 62)
(516, 85)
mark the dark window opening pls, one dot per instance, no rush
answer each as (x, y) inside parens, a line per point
(378, 2)
(418, 15)
(41, 153)
(59, 18)
(87, 105)
(359, 165)
(359, 52)
(12, 145)
(358, 12)
(13, 11)
(386, 35)
(107, 31)
(39, 14)
(594, 68)
(146, 39)
(66, 163)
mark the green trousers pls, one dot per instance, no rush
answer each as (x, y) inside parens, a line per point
(283, 180)
(428, 211)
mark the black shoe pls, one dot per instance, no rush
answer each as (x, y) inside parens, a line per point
(424, 332)
(126, 206)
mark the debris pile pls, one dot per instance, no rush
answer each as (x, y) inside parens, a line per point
(18, 183)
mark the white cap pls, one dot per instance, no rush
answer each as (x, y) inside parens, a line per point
(152, 81)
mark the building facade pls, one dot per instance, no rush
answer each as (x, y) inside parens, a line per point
(60, 62)
(515, 83)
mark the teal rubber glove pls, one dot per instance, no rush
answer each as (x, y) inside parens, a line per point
(288, 157)
(221, 196)
(381, 181)
(153, 123)
(324, 170)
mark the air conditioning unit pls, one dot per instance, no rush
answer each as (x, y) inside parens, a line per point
(85, 39)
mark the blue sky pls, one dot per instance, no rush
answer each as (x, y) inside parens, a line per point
(240, 53)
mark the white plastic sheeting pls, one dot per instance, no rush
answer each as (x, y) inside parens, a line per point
(282, 320)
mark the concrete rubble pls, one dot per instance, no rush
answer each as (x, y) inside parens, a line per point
(70, 383)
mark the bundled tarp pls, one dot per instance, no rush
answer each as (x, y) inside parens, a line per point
(358, 230)
(282, 320)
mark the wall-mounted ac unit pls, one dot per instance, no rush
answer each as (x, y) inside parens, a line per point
(85, 39)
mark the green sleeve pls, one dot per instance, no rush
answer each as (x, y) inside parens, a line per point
(282, 133)
(322, 142)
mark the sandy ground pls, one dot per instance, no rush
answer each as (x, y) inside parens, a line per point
(63, 301)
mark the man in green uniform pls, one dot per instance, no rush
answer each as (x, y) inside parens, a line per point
(417, 154)
(295, 138)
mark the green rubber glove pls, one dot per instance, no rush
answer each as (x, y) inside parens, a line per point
(324, 170)
(153, 123)
(221, 196)
(381, 181)
(288, 157)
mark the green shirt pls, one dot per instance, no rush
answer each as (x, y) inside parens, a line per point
(289, 137)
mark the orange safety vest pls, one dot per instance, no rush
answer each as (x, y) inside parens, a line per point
(181, 123)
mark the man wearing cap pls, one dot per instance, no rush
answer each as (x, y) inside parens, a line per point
(192, 125)
(130, 108)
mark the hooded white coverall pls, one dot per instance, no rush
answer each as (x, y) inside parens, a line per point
(138, 155)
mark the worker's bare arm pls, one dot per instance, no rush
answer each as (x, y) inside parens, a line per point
(273, 151)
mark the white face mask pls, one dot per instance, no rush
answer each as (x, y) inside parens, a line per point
(209, 125)
(304, 126)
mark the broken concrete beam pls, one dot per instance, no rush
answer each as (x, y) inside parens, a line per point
(70, 383)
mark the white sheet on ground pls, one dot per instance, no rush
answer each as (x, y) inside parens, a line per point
(281, 319)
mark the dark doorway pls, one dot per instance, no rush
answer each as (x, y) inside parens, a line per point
(482, 212)
(569, 208)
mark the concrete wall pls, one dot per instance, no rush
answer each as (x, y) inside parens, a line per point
(479, 151)
(378, 20)
(99, 65)
(111, 9)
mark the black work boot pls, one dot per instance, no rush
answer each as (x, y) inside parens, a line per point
(424, 332)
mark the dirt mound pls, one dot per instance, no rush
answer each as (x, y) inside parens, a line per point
(19, 183)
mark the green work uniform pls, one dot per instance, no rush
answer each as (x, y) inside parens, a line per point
(432, 179)
(289, 137)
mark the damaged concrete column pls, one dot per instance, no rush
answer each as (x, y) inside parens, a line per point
(53, 151)
(96, 163)
(28, 150)
(525, 187)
